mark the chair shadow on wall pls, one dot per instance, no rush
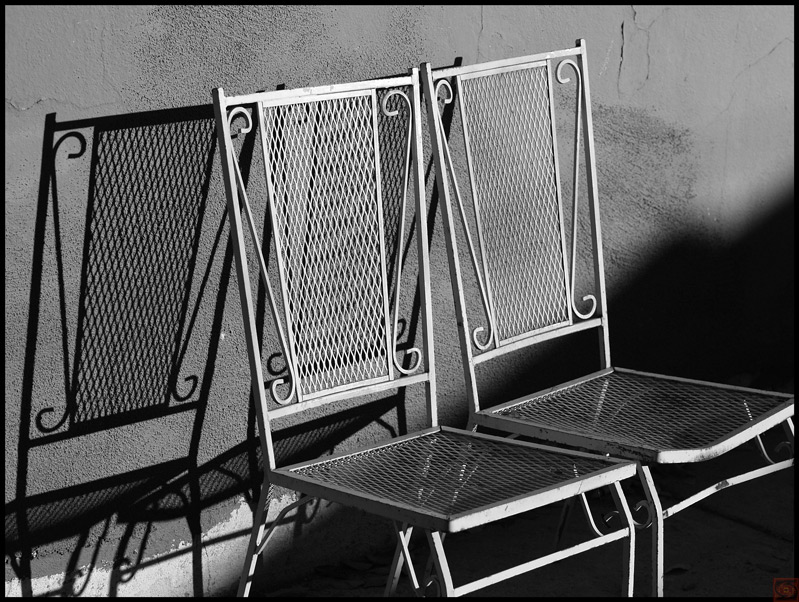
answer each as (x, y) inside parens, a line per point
(123, 325)
(134, 351)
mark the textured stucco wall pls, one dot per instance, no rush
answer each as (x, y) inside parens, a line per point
(693, 110)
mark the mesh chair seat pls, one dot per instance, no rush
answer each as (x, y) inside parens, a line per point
(450, 479)
(647, 414)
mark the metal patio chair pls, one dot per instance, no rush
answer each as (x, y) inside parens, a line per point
(521, 282)
(324, 158)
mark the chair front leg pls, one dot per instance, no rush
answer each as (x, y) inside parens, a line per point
(436, 541)
(628, 558)
(656, 517)
(401, 552)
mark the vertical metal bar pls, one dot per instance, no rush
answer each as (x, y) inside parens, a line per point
(787, 426)
(256, 536)
(440, 558)
(628, 557)
(259, 254)
(404, 540)
(276, 233)
(593, 196)
(423, 253)
(491, 314)
(383, 273)
(401, 235)
(245, 294)
(442, 183)
(558, 194)
(447, 165)
(428, 571)
(656, 513)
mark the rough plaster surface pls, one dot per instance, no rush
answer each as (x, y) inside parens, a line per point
(693, 112)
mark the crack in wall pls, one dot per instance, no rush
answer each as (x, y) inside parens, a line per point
(480, 33)
(19, 108)
(747, 68)
(646, 30)
(621, 61)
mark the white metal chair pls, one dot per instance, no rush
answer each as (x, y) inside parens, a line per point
(324, 155)
(521, 281)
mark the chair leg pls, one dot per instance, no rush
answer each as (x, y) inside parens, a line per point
(251, 558)
(629, 552)
(436, 540)
(656, 510)
(428, 570)
(564, 517)
(403, 539)
(258, 539)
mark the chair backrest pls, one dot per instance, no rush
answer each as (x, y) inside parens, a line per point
(523, 264)
(124, 339)
(335, 157)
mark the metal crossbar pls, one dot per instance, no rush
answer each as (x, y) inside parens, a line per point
(525, 270)
(332, 162)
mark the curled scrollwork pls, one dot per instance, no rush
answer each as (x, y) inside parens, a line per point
(578, 124)
(786, 446)
(642, 505)
(241, 111)
(79, 137)
(69, 410)
(445, 85)
(193, 380)
(49, 429)
(393, 113)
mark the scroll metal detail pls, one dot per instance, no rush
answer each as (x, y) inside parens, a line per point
(393, 113)
(70, 405)
(483, 294)
(577, 135)
(786, 445)
(641, 505)
(242, 112)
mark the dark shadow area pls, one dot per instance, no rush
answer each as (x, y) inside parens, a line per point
(723, 313)
(125, 329)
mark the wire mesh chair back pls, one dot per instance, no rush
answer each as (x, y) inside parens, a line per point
(323, 170)
(335, 159)
(510, 142)
(512, 209)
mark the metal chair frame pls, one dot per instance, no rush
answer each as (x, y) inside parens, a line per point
(571, 414)
(440, 479)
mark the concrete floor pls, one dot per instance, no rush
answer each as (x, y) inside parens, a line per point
(734, 543)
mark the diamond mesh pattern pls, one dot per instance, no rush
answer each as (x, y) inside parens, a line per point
(149, 185)
(511, 149)
(322, 165)
(450, 472)
(645, 411)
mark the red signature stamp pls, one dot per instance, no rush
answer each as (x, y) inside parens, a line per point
(786, 589)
